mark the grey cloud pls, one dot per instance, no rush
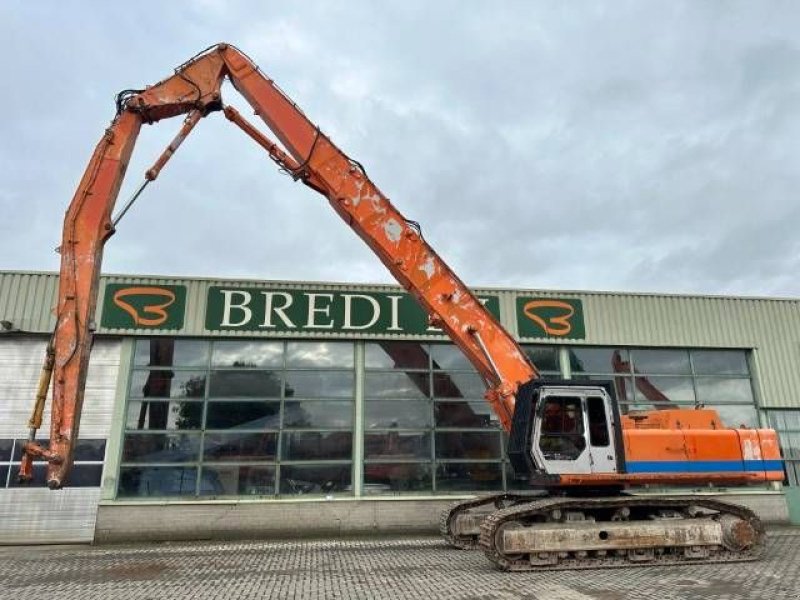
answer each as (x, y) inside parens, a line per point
(602, 145)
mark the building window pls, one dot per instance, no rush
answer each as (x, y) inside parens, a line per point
(239, 418)
(87, 468)
(427, 427)
(787, 424)
(658, 379)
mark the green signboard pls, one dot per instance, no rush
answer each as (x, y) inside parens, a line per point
(319, 311)
(144, 306)
(550, 318)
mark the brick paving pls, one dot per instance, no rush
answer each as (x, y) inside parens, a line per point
(370, 569)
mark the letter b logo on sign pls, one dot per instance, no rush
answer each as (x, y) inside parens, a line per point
(143, 306)
(550, 318)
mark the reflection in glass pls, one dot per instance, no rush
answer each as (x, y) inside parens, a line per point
(243, 415)
(161, 447)
(623, 386)
(317, 445)
(458, 385)
(157, 481)
(720, 362)
(315, 479)
(168, 384)
(396, 385)
(243, 354)
(449, 357)
(169, 352)
(238, 480)
(245, 384)
(397, 414)
(784, 420)
(5, 449)
(711, 390)
(85, 475)
(461, 477)
(664, 389)
(397, 355)
(468, 444)
(324, 355)
(90, 450)
(598, 360)
(397, 444)
(737, 416)
(661, 362)
(544, 357)
(4, 475)
(464, 414)
(240, 447)
(381, 478)
(319, 384)
(153, 414)
(318, 414)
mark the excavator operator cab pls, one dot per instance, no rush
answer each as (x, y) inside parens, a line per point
(564, 427)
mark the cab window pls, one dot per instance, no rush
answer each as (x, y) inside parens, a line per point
(562, 436)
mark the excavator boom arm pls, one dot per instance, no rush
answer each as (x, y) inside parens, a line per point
(311, 157)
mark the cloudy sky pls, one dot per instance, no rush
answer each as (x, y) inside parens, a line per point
(645, 146)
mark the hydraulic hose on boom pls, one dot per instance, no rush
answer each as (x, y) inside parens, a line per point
(308, 155)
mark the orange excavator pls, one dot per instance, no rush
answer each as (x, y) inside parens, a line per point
(568, 440)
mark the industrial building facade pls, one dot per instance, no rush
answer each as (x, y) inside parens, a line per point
(236, 408)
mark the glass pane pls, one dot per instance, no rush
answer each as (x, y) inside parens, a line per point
(462, 477)
(664, 389)
(90, 450)
(464, 414)
(661, 362)
(320, 414)
(240, 447)
(396, 385)
(314, 445)
(5, 451)
(472, 444)
(737, 416)
(635, 408)
(319, 384)
(157, 481)
(458, 385)
(599, 360)
(161, 447)
(319, 354)
(243, 415)
(151, 414)
(623, 386)
(387, 478)
(398, 444)
(237, 480)
(39, 473)
(247, 354)
(169, 352)
(544, 357)
(168, 384)
(85, 476)
(598, 424)
(713, 390)
(720, 362)
(315, 479)
(3, 475)
(449, 357)
(397, 355)
(245, 384)
(397, 414)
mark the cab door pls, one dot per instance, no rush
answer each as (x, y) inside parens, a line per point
(600, 425)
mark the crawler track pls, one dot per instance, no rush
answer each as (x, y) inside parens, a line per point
(525, 517)
(447, 519)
